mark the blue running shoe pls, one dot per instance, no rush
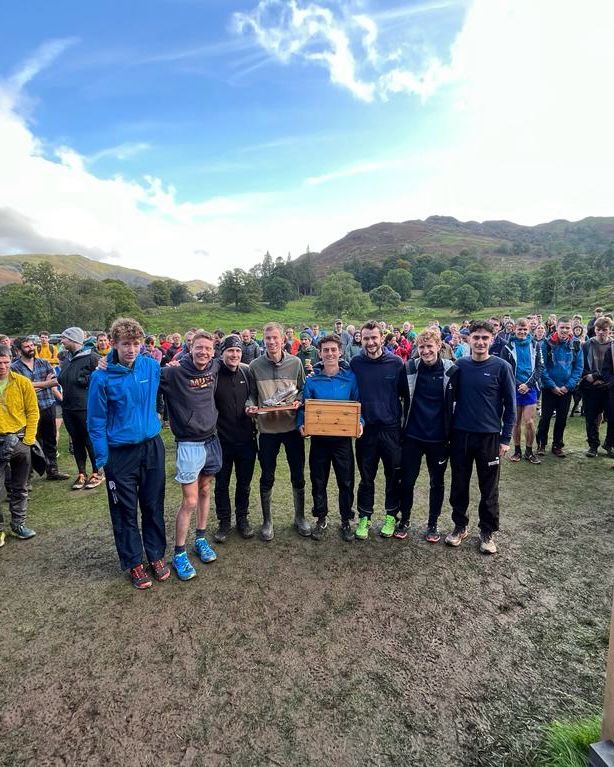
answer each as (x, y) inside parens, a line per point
(183, 566)
(204, 551)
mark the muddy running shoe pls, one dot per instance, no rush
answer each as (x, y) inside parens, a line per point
(516, 455)
(432, 534)
(204, 551)
(55, 476)
(346, 532)
(183, 566)
(532, 458)
(609, 451)
(140, 579)
(244, 528)
(541, 450)
(318, 530)
(161, 571)
(487, 544)
(22, 532)
(2, 537)
(95, 479)
(401, 531)
(591, 452)
(362, 529)
(457, 536)
(559, 452)
(222, 532)
(79, 483)
(388, 528)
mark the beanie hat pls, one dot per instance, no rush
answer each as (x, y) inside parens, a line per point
(231, 342)
(74, 334)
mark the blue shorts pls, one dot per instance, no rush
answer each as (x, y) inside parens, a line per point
(530, 398)
(198, 458)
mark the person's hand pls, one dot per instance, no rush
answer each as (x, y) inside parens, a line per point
(523, 388)
(173, 363)
(296, 404)
(590, 378)
(503, 449)
(360, 430)
(251, 410)
(556, 390)
(102, 364)
(563, 390)
(301, 430)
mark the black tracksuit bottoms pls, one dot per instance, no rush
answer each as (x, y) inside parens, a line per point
(241, 456)
(552, 402)
(136, 476)
(467, 448)
(76, 425)
(269, 446)
(46, 435)
(411, 460)
(335, 451)
(378, 443)
(598, 402)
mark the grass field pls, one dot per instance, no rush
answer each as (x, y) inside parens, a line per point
(302, 653)
(301, 312)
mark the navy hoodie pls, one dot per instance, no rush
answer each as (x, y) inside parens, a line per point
(381, 382)
(190, 398)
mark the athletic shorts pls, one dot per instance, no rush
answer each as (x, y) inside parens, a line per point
(198, 458)
(530, 398)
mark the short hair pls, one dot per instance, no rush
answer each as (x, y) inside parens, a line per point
(44, 333)
(429, 335)
(371, 325)
(101, 333)
(598, 308)
(5, 351)
(494, 318)
(565, 320)
(273, 326)
(522, 321)
(603, 323)
(150, 340)
(19, 341)
(289, 328)
(331, 338)
(202, 334)
(124, 327)
(481, 325)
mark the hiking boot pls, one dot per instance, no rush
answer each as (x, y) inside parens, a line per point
(432, 534)
(183, 567)
(95, 479)
(362, 529)
(317, 531)
(22, 532)
(204, 551)
(222, 532)
(559, 452)
(609, 451)
(54, 476)
(591, 452)
(532, 458)
(244, 528)
(140, 579)
(487, 544)
(388, 528)
(401, 531)
(541, 450)
(346, 531)
(79, 483)
(516, 455)
(457, 536)
(161, 571)
(2, 537)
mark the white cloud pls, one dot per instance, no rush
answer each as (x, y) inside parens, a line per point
(358, 169)
(119, 151)
(346, 44)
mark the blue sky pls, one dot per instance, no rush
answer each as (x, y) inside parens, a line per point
(189, 136)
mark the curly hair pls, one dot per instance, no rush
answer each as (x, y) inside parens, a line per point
(124, 327)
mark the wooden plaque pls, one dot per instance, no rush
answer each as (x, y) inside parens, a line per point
(331, 418)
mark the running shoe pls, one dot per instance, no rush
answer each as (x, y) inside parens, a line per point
(346, 532)
(318, 530)
(432, 534)
(183, 566)
(161, 571)
(388, 528)
(457, 536)
(140, 579)
(362, 529)
(204, 551)
(487, 544)
(401, 531)
(95, 479)
(79, 483)
(22, 532)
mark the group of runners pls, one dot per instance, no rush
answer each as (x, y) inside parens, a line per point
(459, 395)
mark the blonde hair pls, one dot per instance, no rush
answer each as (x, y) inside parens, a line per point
(429, 335)
(124, 327)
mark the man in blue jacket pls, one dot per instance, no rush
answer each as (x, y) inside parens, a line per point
(563, 363)
(382, 384)
(330, 381)
(124, 429)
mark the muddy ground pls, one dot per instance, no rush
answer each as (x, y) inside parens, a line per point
(303, 653)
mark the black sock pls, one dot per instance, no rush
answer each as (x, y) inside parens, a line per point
(180, 549)
(517, 449)
(200, 533)
(529, 450)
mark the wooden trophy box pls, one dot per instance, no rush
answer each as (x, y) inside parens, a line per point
(331, 418)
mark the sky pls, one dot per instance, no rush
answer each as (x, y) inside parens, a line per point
(187, 137)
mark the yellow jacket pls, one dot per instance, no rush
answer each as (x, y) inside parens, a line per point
(19, 408)
(48, 352)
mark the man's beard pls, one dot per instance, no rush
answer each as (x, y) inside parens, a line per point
(30, 354)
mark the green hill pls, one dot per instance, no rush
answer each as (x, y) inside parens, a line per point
(83, 267)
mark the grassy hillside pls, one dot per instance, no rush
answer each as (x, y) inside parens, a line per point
(299, 313)
(82, 267)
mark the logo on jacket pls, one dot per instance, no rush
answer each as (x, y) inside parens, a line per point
(201, 383)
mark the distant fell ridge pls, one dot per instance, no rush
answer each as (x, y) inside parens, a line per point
(84, 267)
(500, 243)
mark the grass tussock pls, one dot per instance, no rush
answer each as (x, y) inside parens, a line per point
(566, 743)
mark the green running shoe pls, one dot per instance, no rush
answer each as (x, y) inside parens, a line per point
(388, 527)
(362, 528)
